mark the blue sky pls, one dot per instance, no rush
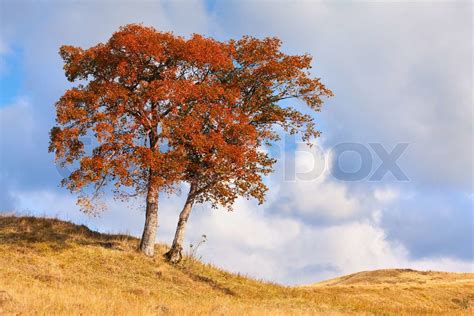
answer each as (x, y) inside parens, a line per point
(11, 74)
(401, 73)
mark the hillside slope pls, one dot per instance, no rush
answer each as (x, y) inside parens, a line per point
(49, 266)
(398, 277)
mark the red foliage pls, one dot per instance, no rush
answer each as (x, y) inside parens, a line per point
(165, 109)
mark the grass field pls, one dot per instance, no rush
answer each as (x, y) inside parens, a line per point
(49, 266)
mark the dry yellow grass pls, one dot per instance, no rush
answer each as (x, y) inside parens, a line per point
(49, 266)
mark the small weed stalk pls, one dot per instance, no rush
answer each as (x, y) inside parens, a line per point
(192, 253)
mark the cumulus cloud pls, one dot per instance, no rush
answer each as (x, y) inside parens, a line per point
(288, 249)
(304, 186)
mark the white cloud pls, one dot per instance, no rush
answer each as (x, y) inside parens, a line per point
(385, 195)
(311, 191)
(286, 249)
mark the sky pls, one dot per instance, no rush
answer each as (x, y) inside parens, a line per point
(401, 73)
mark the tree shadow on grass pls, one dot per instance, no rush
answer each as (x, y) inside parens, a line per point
(212, 283)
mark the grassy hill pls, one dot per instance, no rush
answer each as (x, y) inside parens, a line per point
(48, 266)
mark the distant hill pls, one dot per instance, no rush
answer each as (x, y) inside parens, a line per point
(48, 266)
(399, 277)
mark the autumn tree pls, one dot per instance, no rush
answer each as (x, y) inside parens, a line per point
(223, 157)
(223, 148)
(128, 92)
(163, 109)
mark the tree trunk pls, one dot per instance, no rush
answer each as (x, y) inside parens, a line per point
(147, 243)
(175, 254)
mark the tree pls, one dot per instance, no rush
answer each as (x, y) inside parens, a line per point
(227, 162)
(128, 93)
(223, 160)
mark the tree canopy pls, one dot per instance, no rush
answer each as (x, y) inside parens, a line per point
(164, 109)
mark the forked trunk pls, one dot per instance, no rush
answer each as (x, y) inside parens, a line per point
(147, 243)
(175, 254)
